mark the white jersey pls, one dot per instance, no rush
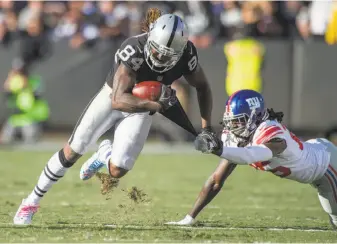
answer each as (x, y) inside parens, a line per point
(304, 162)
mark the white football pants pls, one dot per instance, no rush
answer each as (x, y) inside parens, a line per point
(130, 129)
(327, 185)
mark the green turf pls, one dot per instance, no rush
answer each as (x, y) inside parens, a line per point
(75, 211)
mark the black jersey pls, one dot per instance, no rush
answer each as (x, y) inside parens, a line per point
(131, 54)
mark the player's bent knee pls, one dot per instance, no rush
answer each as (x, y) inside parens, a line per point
(116, 172)
(68, 157)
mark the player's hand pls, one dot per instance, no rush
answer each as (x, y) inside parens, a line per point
(208, 142)
(188, 220)
(167, 98)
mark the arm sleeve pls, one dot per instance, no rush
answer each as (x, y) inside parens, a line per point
(247, 155)
(192, 59)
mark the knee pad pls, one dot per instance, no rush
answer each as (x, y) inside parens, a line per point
(65, 163)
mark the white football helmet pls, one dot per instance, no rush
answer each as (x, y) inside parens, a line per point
(166, 42)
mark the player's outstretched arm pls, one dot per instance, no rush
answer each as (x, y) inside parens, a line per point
(241, 155)
(198, 80)
(253, 154)
(121, 96)
(211, 188)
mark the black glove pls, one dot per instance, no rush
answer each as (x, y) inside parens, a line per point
(168, 97)
(208, 142)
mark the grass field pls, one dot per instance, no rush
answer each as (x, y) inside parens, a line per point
(253, 206)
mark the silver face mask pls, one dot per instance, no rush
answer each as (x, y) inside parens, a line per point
(242, 126)
(160, 58)
(235, 124)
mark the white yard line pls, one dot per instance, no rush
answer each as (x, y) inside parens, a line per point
(212, 228)
(317, 208)
(165, 227)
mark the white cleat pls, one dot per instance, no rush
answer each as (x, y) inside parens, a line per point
(25, 213)
(96, 161)
(187, 221)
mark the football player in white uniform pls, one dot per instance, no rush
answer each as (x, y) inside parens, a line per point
(163, 53)
(254, 136)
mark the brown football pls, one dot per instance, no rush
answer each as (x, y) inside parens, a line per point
(149, 90)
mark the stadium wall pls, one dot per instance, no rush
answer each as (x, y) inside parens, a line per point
(298, 78)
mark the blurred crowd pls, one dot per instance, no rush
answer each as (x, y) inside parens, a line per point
(36, 25)
(85, 22)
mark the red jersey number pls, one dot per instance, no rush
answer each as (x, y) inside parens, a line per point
(295, 138)
(279, 171)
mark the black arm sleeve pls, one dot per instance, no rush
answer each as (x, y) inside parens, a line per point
(191, 58)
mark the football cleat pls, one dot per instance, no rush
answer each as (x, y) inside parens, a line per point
(187, 221)
(25, 213)
(96, 161)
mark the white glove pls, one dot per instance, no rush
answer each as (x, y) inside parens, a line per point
(188, 220)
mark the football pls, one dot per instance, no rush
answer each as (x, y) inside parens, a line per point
(149, 90)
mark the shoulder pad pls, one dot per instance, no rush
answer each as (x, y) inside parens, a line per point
(268, 130)
(191, 58)
(130, 53)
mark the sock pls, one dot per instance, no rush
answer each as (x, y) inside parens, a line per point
(52, 172)
(107, 160)
(105, 155)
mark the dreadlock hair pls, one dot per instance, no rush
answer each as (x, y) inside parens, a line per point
(272, 115)
(152, 15)
(269, 114)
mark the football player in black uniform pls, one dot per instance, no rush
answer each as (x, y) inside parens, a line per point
(163, 53)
